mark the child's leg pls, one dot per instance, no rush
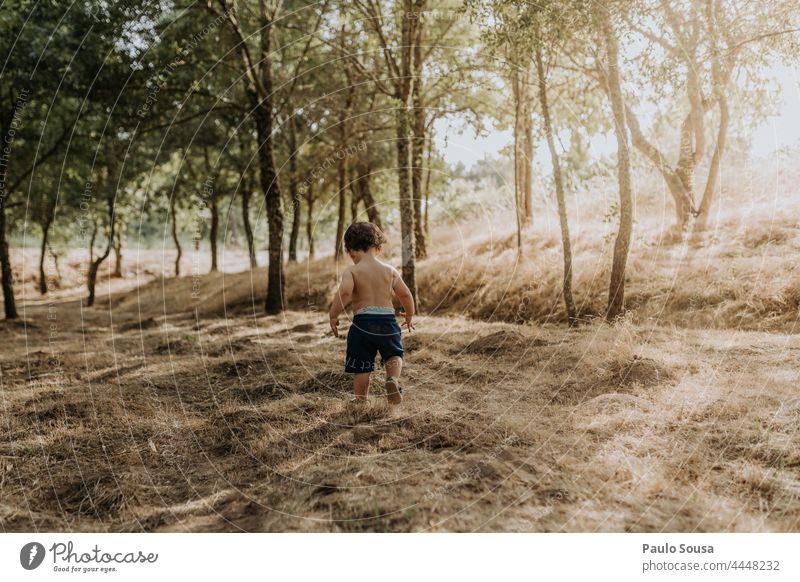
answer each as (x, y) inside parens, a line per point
(361, 385)
(394, 366)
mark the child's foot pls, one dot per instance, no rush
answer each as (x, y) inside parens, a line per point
(354, 403)
(394, 393)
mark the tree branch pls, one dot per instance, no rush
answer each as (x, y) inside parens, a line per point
(244, 50)
(36, 160)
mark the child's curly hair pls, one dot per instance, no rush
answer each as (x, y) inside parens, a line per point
(361, 236)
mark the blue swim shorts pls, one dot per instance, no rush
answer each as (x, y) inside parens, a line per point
(372, 333)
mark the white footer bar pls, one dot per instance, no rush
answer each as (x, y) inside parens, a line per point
(406, 557)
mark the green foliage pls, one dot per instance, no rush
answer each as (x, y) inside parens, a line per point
(121, 110)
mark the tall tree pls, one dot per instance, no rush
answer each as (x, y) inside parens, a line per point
(309, 196)
(35, 120)
(521, 90)
(245, 189)
(343, 124)
(443, 86)
(173, 216)
(294, 187)
(508, 33)
(694, 50)
(298, 40)
(418, 130)
(558, 180)
(526, 33)
(257, 77)
(398, 59)
(611, 77)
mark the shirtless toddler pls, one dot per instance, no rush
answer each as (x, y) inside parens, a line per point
(368, 284)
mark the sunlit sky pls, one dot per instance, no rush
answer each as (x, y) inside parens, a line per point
(775, 132)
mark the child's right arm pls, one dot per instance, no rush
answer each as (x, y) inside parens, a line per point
(405, 297)
(340, 300)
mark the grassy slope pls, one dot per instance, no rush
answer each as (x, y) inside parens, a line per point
(240, 423)
(736, 278)
(157, 410)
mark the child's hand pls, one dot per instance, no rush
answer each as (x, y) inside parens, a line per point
(408, 323)
(334, 320)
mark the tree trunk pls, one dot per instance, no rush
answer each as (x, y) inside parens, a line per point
(274, 205)
(248, 229)
(257, 79)
(92, 239)
(680, 186)
(213, 232)
(341, 169)
(720, 74)
(55, 263)
(294, 190)
(616, 292)
(680, 179)
(355, 195)
(527, 156)
(310, 220)
(48, 221)
(341, 166)
(94, 265)
(273, 201)
(232, 229)
(296, 210)
(523, 144)
(275, 284)
(365, 194)
(713, 170)
(418, 144)
(675, 184)
(403, 144)
(420, 248)
(406, 204)
(118, 254)
(9, 304)
(572, 313)
(428, 186)
(684, 173)
(175, 240)
(518, 170)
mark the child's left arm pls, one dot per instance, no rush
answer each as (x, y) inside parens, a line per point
(341, 298)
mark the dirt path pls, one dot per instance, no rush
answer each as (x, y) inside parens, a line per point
(115, 420)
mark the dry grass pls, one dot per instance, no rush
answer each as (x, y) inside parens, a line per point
(736, 276)
(178, 406)
(535, 428)
(740, 281)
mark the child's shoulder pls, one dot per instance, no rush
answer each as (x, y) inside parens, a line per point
(389, 267)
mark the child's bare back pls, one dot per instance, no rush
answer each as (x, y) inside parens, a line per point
(373, 281)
